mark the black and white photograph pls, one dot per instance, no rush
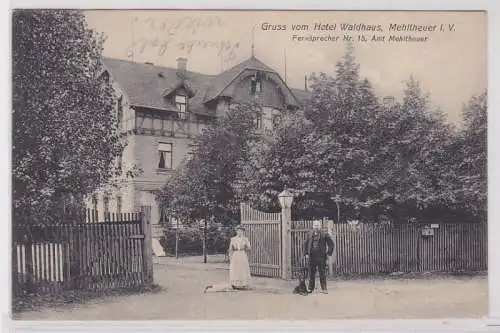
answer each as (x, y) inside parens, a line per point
(249, 165)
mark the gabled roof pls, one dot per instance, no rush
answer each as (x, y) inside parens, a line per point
(222, 80)
(146, 85)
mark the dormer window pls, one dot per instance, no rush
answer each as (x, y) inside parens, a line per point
(181, 103)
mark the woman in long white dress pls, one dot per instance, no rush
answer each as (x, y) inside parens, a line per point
(239, 268)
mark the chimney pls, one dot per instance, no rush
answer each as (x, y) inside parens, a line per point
(305, 82)
(181, 65)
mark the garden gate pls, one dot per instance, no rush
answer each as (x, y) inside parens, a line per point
(264, 233)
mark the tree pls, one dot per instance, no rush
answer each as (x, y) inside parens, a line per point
(208, 186)
(411, 166)
(358, 156)
(470, 158)
(342, 139)
(65, 138)
(328, 149)
(275, 163)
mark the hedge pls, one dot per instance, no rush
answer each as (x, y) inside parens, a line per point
(191, 240)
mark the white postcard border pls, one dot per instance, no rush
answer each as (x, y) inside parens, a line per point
(444, 325)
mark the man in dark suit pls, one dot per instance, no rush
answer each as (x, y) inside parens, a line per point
(318, 246)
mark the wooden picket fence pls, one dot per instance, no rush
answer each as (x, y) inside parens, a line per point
(94, 216)
(93, 255)
(372, 249)
(365, 249)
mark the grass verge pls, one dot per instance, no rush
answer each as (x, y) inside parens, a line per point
(71, 299)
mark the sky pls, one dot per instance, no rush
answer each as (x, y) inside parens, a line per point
(451, 65)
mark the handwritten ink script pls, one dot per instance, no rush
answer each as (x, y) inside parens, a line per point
(171, 31)
(187, 23)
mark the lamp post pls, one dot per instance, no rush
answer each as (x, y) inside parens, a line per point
(286, 200)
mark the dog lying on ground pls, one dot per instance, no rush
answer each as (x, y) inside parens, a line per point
(301, 289)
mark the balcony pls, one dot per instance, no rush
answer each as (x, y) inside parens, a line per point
(154, 125)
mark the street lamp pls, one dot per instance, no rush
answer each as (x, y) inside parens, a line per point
(286, 199)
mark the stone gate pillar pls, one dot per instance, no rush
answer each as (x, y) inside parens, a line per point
(286, 200)
(157, 230)
(333, 258)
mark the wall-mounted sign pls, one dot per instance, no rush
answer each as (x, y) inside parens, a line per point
(427, 231)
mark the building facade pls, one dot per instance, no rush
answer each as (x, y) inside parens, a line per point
(160, 110)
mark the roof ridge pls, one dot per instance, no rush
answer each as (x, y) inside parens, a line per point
(246, 60)
(143, 88)
(155, 66)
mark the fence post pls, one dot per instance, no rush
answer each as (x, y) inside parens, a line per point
(15, 273)
(28, 243)
(147, 249)
(334, 255)
(286, 200)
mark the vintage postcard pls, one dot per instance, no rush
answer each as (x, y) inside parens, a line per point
(249, 165)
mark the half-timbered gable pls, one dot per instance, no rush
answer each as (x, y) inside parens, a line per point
(252, 81)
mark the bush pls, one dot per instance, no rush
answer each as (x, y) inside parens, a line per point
(191, 240)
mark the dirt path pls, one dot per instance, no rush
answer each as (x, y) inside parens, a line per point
(272, 299)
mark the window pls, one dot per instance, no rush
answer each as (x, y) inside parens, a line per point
(165, 156)
(276, 121)
(181, 103)
(118, 205)
(119, 112)
(258, 86)
(106, 204)
(94, 202)
(258, 121)
(119, 163)
(190, 151)
(255, 84)
(163, 215)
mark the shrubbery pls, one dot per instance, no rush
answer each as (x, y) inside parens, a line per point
(191, 240)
